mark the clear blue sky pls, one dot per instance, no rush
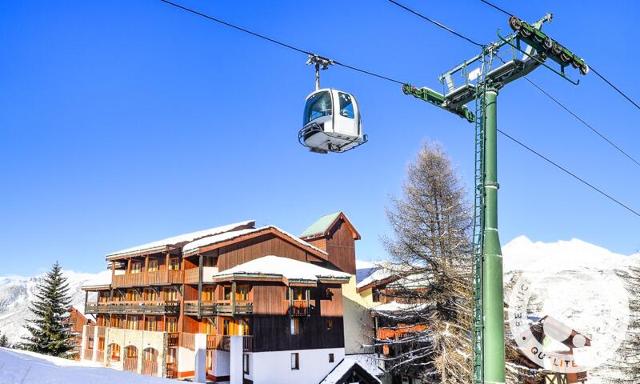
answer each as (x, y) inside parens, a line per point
(122, 122)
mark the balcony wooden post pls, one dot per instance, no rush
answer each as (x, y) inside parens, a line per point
(145, 277)
(233, 298)
(86, 297)
(167, 258)
(307, 293)
(199, 285)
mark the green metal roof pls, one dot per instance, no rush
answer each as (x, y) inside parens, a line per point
(321, 225)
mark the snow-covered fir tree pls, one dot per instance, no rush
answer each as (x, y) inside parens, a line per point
(48, 332)
(431, 256)
(4, 341)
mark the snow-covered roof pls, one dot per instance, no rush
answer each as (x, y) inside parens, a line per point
(217, 238)
(277, 266)
(179, 240)
(366, 361)
(101, 279)
(322, 226)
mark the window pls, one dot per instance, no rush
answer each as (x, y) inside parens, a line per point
(151, 324)
(346, 105)
(132, 322)
(151, 295)
(174, 264)
(375, 295)
(208, 293)
(136, 267)
(295, 326)
(295, 360)
(172, 324)
(153, 265)
(170, 294)
(242, 292)
(226, 292)
(317, 106)
(329, 324)
(115, 352)
(332, 358)
(299, 293)
(226, 327)
(245, 363)
(209, 261)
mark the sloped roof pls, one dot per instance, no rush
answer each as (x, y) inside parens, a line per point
(174, 241)
(323, 225)
(367, 362)
(194, 246)
(283, 267)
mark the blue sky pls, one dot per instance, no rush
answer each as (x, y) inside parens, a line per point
(123, 122)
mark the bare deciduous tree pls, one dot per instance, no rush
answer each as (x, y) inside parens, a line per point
(432, 257)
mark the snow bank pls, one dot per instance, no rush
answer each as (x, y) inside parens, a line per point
(21, 367)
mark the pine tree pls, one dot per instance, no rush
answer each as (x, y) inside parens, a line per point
(48, 332)
(4, 341)
(431, 253)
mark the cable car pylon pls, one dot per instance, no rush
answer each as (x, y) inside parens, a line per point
(482, 83)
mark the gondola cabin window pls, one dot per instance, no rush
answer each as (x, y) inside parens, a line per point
(318, 105)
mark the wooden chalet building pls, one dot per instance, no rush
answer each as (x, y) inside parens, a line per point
(234, 303)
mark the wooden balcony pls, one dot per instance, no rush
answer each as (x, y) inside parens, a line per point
(299, 308)
(221, 307)
(135, 307)
(173, 339)
(222, 342)
(143, 279)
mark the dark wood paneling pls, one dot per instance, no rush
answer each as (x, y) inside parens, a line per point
(273, 333)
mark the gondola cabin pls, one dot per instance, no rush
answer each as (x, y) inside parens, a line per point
(331, 122)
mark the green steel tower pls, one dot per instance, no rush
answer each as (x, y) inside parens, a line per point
(481, 83)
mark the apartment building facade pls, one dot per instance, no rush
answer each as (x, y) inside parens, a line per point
(235, 303)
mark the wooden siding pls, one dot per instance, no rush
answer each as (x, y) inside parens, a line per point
(265, 245)
(341, 248)
(270, 299)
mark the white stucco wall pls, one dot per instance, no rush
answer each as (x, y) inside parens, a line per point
(275, 367)
(140, 339)
(358, 324)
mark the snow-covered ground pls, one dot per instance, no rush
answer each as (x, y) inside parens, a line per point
(21, 367)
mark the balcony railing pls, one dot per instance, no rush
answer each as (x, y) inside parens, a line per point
(299, 308)
(173, 339)
(224, 307)
(147, 278)
(135, 307)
